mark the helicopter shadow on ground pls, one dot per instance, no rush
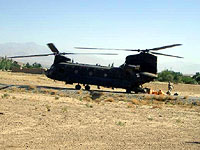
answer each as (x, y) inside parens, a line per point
(193, 143)
(72, 89)
(4, 86)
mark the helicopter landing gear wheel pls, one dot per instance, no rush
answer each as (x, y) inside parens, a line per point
(77, 87)
(140, 90)
(128, 90)
(87, 87)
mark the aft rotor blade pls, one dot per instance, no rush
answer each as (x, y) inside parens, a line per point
(108, 49)
(138, 50)
(40, 55)
(164, 47)
(88, 54)
(166, 55)
(53, 48)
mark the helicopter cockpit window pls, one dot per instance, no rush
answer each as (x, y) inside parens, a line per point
(52, 67)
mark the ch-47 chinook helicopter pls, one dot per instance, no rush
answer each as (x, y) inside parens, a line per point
(137, 69)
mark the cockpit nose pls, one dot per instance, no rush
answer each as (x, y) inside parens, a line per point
(49, 73)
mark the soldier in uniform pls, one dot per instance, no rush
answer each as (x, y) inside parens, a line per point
(170, 87)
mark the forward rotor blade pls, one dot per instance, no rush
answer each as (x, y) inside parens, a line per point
(88, 54)
(40, 55)
(108, 49)
(164, 47)
(31, 55)
(166, 55)
(53, 48)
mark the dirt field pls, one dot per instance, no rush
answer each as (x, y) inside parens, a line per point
(56, 118)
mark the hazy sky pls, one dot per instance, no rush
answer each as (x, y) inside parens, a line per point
(109, 23)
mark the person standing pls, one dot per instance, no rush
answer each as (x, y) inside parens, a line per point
(170, 88)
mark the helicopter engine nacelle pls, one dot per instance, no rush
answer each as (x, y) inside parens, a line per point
(133, 67)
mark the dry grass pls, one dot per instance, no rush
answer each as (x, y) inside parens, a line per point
(148, 96)
(162, 97)
(20, 78)
(57, 97)
(64, 109)
(144, 102)
(197, 103)
(156, 97)
(48, 91)
(89, 105)
(135, 101)
(87, 98)
(48, 107)
(131, 105)
(157, 102)
(63, 94)
(32, 87)
(16, 90)
(79, 92)
(156, 106)
(120, 123)
(5, 96)
(171, 98)
(121, 96)
(150, 118)
(109, 99)
(96, 95)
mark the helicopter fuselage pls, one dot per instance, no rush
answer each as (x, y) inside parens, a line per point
(126, 76)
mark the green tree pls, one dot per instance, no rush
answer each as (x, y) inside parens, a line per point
(36, 65)
(7, 64)
(165, 76)
(188, 80)
(178, 77)
(197, 77)
(15, 64)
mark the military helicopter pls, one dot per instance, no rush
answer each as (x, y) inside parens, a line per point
(137, 69)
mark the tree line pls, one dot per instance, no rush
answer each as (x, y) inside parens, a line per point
(8, 64)
(177, 77)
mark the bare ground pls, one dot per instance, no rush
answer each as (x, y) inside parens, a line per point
(48, 119)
